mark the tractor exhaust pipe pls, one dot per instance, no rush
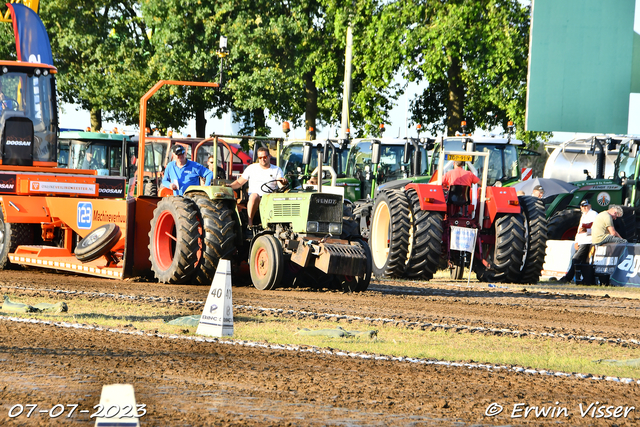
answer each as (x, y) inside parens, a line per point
(320, 168)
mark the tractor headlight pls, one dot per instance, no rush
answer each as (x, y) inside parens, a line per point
(335, 228)
(312, 226)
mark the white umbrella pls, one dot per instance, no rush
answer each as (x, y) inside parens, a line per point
(551, 186)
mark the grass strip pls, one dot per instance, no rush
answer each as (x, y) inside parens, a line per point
(528, 352)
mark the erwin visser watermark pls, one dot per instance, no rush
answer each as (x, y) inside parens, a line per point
(584, 410)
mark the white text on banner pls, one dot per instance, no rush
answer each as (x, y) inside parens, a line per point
(463, 239)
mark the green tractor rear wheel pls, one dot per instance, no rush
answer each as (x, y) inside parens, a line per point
(563, 225)
(218, 237)
(358, 283)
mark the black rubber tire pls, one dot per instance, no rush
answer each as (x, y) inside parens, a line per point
(266, 263)
(174, 240)
(98, 243)
(350, 226)
(218, 237)
(358, 283)
(426, 246)
(563, 225)
(536, 232)
(12, 235)
(456, 270)
(507, 255)
(389, 240)
(626, 225)
(150, 189)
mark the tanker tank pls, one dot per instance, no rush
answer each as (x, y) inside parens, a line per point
(568, 161)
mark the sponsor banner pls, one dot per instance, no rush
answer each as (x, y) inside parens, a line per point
(7, 183)
(111, 187)
(462, 239)
(605, 259)
(61, 187)
(32, 40)
(84, 217)
(628, 267)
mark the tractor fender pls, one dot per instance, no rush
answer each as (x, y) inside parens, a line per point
(213, 192)
(431, 196)
(501, 200)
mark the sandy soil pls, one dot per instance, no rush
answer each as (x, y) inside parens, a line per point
(191, 383)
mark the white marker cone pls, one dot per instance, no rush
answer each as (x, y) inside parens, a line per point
(217, 315)
(118, 407)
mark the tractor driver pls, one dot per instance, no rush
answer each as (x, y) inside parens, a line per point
(257, 175)
(182, 173)
(459, 176)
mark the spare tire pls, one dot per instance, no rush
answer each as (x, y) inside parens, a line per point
(98, 243)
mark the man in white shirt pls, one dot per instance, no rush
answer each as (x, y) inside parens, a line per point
(257, 175)
(582, 241)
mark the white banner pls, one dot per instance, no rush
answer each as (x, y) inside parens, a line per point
(463, 239)
(61, 187)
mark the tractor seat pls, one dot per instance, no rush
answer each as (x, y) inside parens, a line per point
(459, 195)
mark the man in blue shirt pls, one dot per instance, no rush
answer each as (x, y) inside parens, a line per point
(182, 173)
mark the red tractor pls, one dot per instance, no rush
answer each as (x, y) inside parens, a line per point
(413, 228)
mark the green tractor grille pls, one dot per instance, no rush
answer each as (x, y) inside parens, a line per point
(286, 209)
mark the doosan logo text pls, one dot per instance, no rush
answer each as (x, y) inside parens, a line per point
(110, 190)
(16, 142)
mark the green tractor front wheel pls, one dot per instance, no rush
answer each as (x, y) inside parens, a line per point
(266, 262)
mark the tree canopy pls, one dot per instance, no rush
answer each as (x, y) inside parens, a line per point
(287, 58)
(474, 56)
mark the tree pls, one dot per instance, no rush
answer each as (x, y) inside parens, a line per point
(100, 49)
(185, 37)
(287, 59)
(474, 56)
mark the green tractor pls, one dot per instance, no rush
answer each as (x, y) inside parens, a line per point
(376, 163)
(620, 189)
(300, 241)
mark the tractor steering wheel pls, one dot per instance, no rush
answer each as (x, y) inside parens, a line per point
(9, 104)
(268, 189)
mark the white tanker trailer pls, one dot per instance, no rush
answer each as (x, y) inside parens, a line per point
(569, 160)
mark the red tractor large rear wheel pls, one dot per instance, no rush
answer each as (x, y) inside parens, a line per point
(506, 256)
(389, 240)
(426, 247)
(536, 233)
(174, 240)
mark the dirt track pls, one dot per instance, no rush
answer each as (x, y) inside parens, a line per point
(189, 383)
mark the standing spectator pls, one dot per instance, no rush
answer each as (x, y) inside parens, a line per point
(182, 173)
